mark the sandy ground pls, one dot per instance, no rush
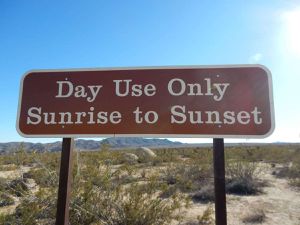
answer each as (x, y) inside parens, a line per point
(13, 174)
(279, 202)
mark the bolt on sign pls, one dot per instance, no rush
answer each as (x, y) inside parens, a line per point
(214, 101)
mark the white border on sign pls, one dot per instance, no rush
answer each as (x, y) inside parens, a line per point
(153, 135)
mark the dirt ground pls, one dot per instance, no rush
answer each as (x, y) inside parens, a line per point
(13, 174)
(279, 202)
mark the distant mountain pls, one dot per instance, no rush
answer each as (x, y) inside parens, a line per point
(28, 146)
(124, 142)
(116, 143)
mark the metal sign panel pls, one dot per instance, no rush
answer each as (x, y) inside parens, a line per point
(197, 101)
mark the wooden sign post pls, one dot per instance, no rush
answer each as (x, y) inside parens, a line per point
(217, 102)
(219, 181)
(65, 178)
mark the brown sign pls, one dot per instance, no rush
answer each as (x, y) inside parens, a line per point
(216, 101)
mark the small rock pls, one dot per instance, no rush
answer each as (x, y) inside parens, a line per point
(130, 158)
(146, 152)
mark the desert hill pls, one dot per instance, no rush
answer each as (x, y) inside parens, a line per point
(82, 144)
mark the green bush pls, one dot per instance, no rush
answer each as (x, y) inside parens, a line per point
(7, 219)
(204, 195)
(6, 200)
(207, 218)
(18, 187)
(3, 184)
(43, 177)
(242, 178)
(292, 173)
(186, 177)
(167, 191)
(34, 209)
(107, 203)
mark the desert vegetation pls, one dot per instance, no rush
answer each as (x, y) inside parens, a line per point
(136, 187)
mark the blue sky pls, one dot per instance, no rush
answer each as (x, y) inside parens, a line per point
(83, 34)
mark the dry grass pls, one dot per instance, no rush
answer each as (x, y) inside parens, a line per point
(255, 216)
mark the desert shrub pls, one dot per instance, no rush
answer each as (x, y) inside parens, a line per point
(18, 187)
(242, 169)
(266, 153)
(8, 167)
(280, 154)
(47, 160)
(3, 184)
(43, 177)
(186, 177)
(165, 155)
(109, 156)
(256, 215)
(243, 187)
(291, 172)
(34, 209)
(114, 205)
(7, 219)
(103, 157)
(19, 157)
(157, 161)
(242, 178)
(295, 182)
(247, 153)
(202, 156)
(151, 186)
(6, 200)
(6, 159)
(207, 218)
(103, 175)
(204, 195)
(167, 190)
(103, 197)
(170, 176)
(124, 175)
(286, 172)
